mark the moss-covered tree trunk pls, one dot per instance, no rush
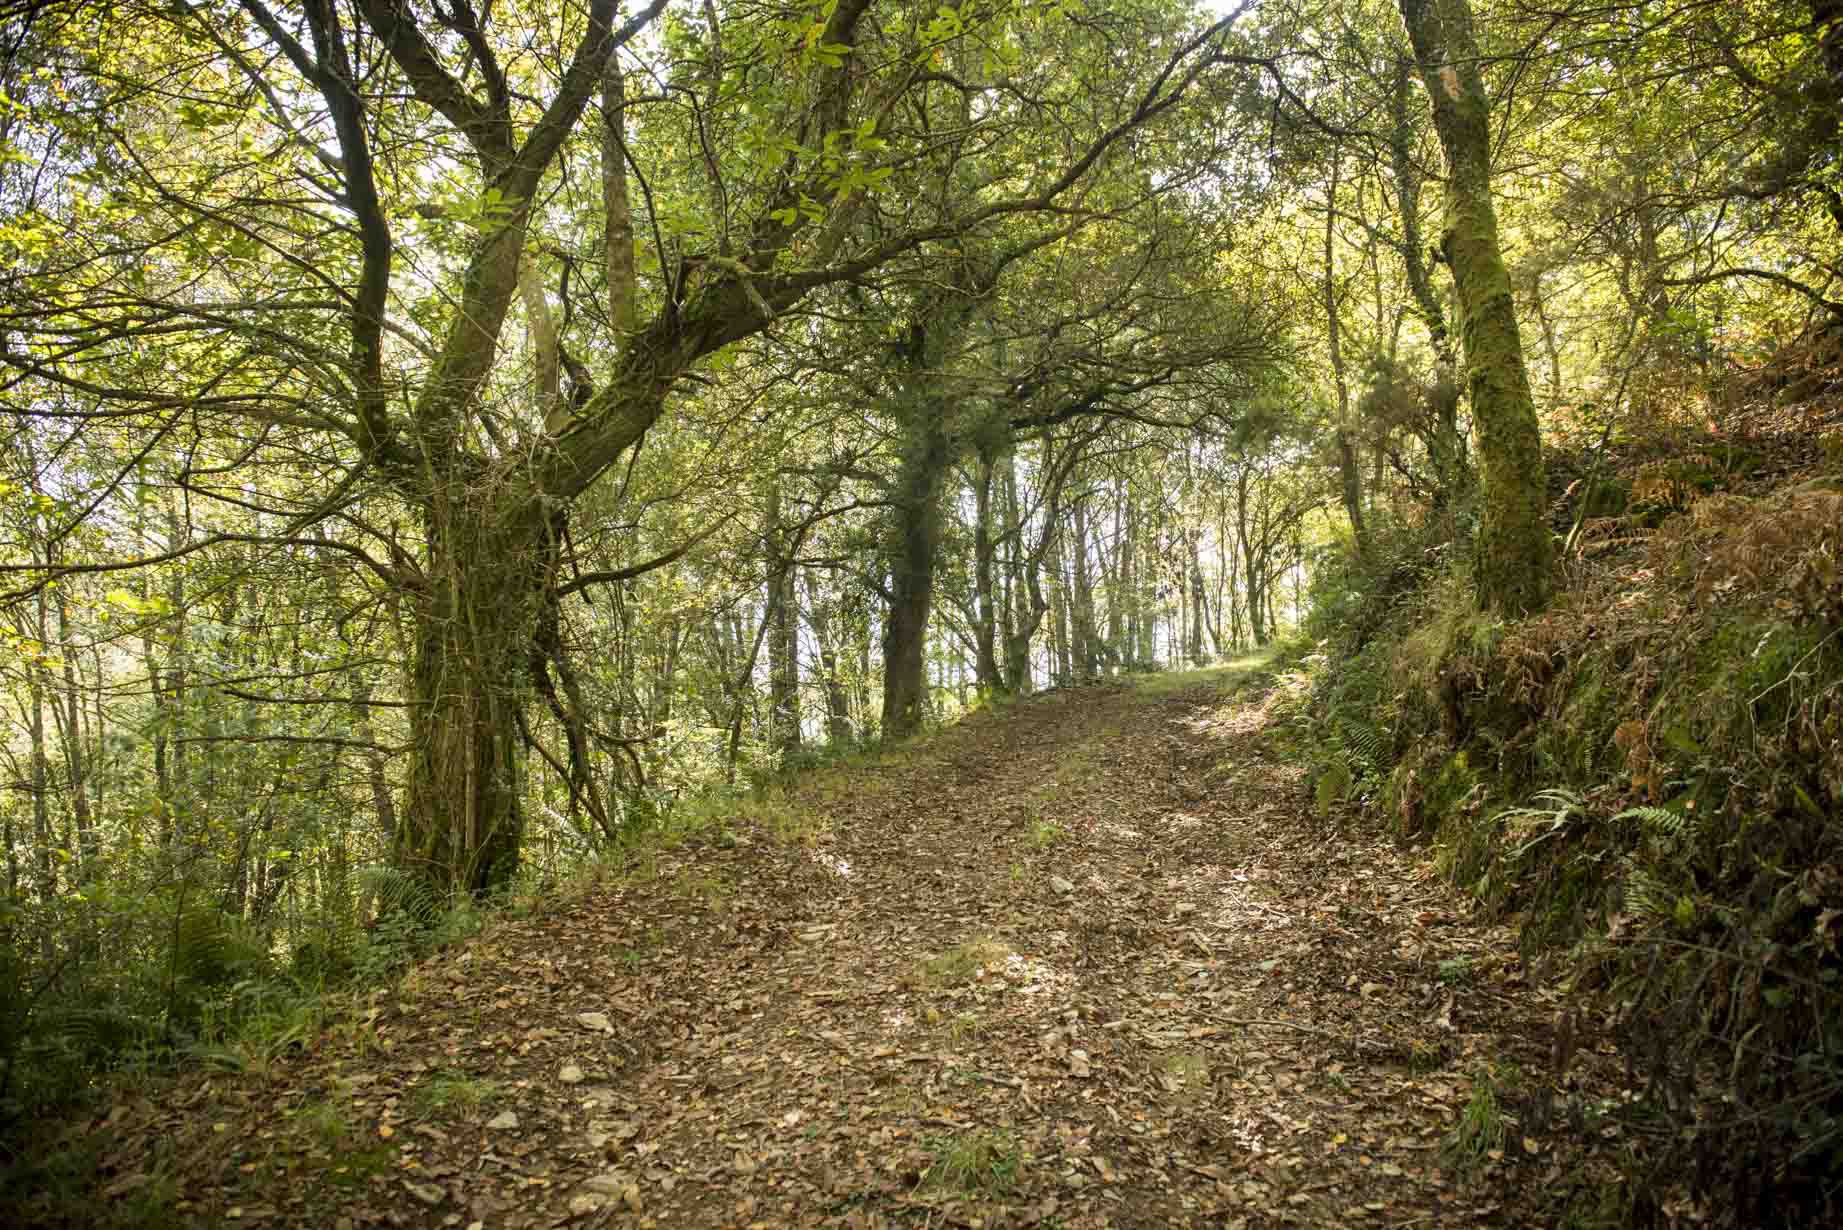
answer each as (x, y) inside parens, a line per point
(1350, 483)
(1513, 550)
(488, 569)
(912, 546)
(927, 452)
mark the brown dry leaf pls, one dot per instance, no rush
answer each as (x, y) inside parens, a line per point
(1185, 1045)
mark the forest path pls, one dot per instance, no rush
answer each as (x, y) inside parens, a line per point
(1082, 961)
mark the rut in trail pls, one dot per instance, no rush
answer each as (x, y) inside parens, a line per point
(1083, 961)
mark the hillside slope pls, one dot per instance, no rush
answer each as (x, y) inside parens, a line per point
(1082, 961)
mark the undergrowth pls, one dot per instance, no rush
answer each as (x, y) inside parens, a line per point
(1649, 777)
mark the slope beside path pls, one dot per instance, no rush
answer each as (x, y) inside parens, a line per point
(1083, 961)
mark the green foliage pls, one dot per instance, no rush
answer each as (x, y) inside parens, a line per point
(58, 1187)
(974, 1163)
(1354, 597)
(450, 1095)
(1674, 751)
(962, 963)
(1481, 1130)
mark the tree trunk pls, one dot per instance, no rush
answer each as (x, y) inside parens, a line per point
(1513, 551)
(1254, 560)
(837, 700)
(1131, 600)
(1113, 574)
(1199, 600)
(1350, 484)
(916, 515)
(783, 634)
(913, 543)
(1147, 600)
(40, 685)
(1028, 605)
(377, 781)
(75, 760)
(1228, 617)
(1058, 614)
(1086, 646)
(462, 821)
(985, 579)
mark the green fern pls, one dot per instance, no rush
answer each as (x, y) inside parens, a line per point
(211, 949)
(390, 891)
(1548, 814)
(1648, 899)
(1364, 743)
(87, 1029)
(1662, 820)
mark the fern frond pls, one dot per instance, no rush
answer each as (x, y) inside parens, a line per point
(1660, 819)
(1364, 742)
(86, 1028)
(389, 890)
(1648, 899)
(1546, 815)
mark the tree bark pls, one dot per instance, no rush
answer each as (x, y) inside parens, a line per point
(1027, 603)
(488, 571)
(1254, 558)
(1350, 483)
(783, 633)
(820, 616)
(917, 518)
(912, 546)
(76, 761)
(1199, 599)
(1086, 638)
(39, 686)
(1513, 550)
(985, 577)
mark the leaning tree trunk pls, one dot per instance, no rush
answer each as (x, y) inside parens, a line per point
(1513, 551)
(489, 568)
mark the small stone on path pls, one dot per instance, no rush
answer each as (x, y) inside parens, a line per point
(1065, 887)
(428, 1193)
(570, 1075)
(608, 1183)
(504, 1121)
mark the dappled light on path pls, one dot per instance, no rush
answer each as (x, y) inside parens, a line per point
(1087, 962)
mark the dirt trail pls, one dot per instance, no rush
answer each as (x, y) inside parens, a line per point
(1086, 961)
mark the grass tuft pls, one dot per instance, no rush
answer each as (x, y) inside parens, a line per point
(451, 1095)
(975, 1163)
(962, 963)
(1481, 1130)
